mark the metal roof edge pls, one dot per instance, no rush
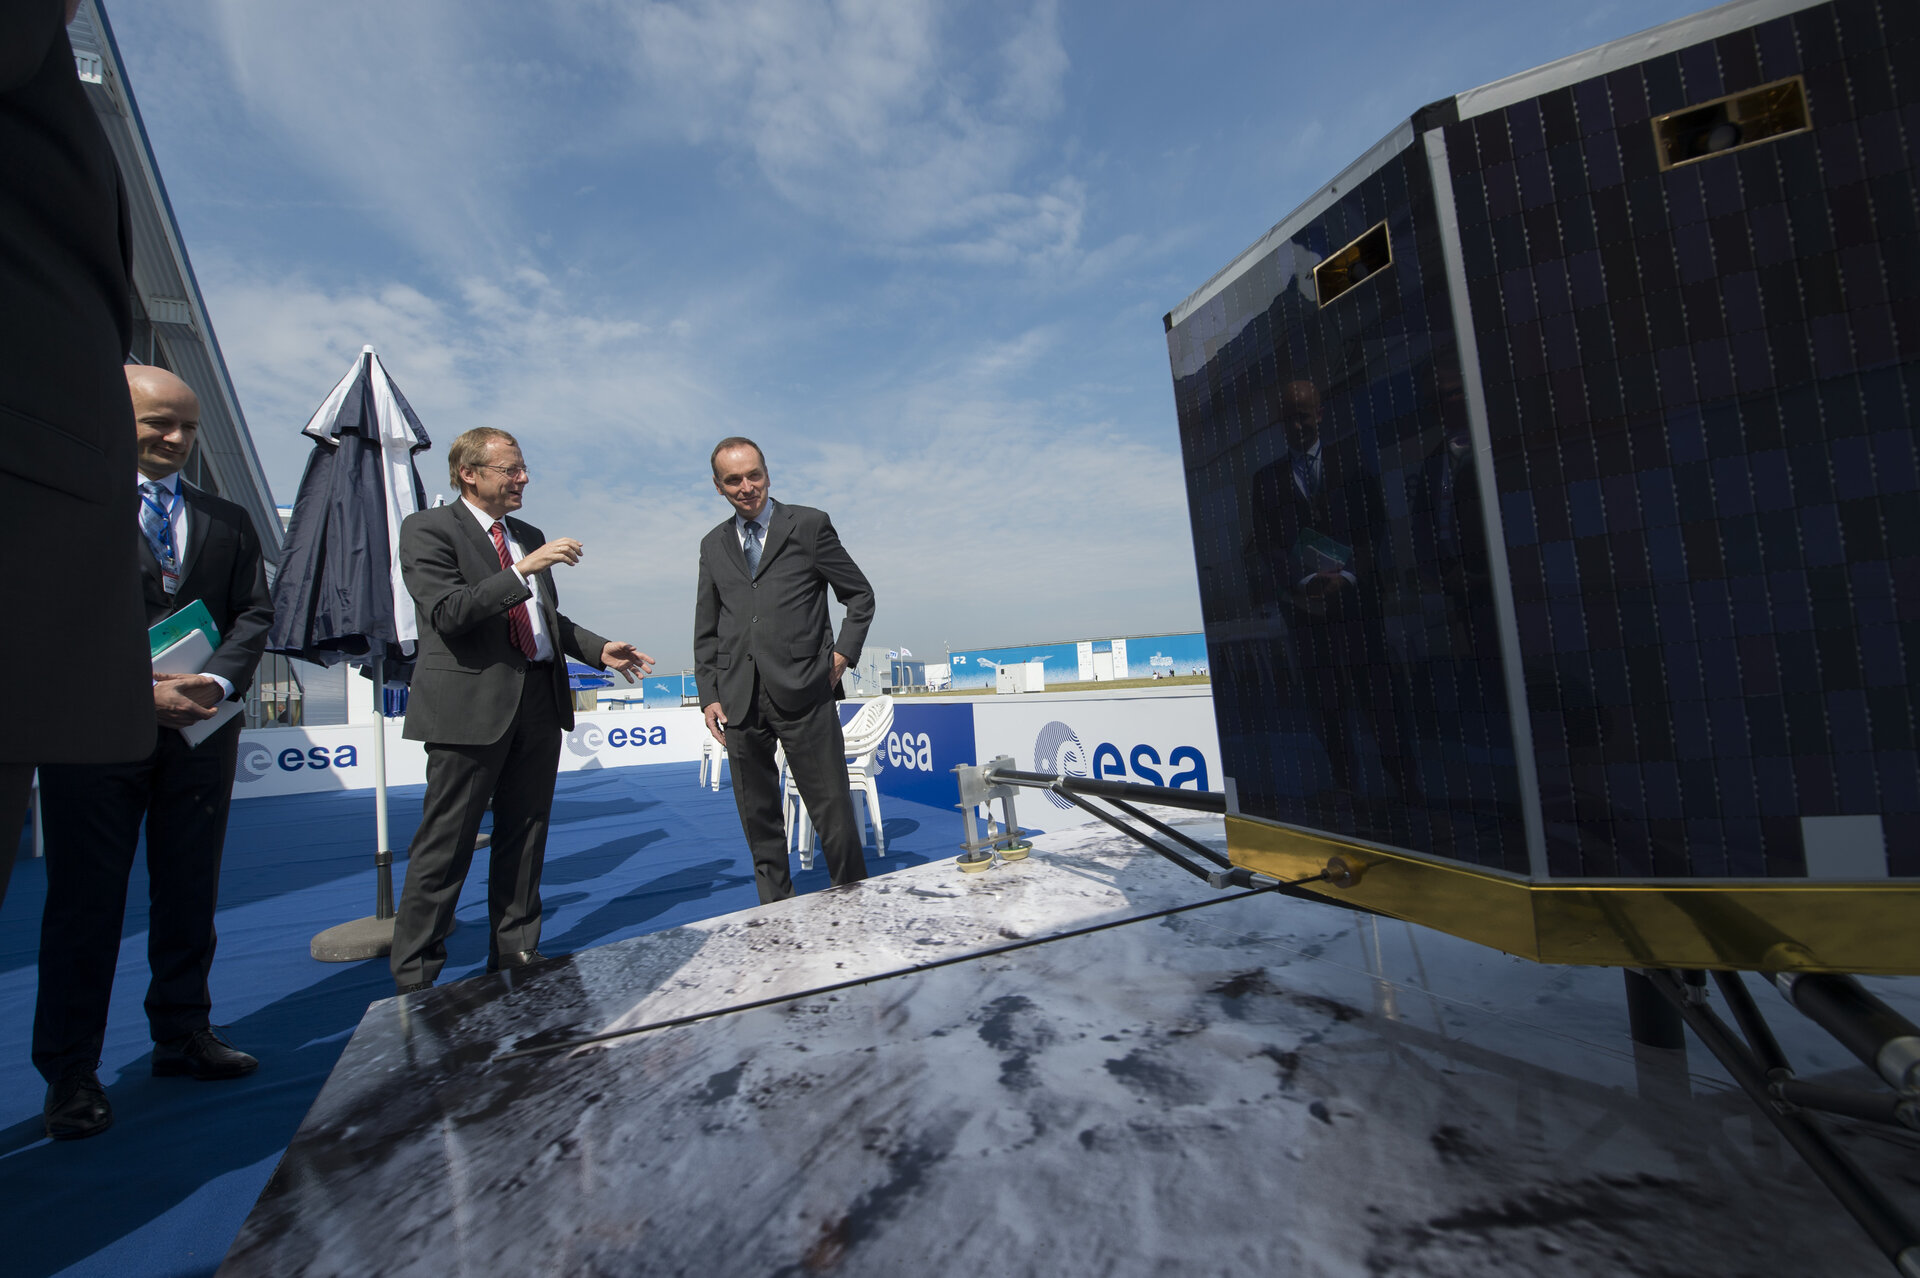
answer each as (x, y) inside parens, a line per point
(1313, 206)
(1598, 60)
(1708, 24)
(268, 527)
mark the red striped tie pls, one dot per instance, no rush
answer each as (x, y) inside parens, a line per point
(519, 624)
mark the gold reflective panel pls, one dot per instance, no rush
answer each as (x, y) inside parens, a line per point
(1732, 123)
(1360, 260)
(1866, 928)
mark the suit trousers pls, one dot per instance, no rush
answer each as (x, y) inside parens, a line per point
(92, 813)
(817, 756)
(516, 773)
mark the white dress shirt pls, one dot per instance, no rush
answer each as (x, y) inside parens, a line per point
(740, 523)
(542, 642)
(177, 526)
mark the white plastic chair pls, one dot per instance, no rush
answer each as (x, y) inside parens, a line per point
(713, 757)
(865, 733)
(793, 812)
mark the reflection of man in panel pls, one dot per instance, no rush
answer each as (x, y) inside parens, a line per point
(1318, 524)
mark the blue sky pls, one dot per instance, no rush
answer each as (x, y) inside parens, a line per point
(920, 251)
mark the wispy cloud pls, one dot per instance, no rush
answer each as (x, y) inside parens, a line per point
(425, 111)
(910, 123)
(959, 488)
(516, 354)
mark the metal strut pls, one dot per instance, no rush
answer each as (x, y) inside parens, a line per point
(998, 777)
(1760, 1067)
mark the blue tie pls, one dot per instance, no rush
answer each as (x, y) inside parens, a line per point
(156, 521)
(1305, 473)
(752, 548)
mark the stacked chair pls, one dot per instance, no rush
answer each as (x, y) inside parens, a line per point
(865, 734)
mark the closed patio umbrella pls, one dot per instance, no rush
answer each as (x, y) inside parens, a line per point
(339, 596)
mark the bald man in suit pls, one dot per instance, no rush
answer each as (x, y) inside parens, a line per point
(192, 547)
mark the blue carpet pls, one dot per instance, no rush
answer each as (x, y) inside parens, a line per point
(161, 1195)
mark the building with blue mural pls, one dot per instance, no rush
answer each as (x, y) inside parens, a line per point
(1087, 660)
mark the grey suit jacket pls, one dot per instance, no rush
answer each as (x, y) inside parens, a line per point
(468, 677)
(776, 622)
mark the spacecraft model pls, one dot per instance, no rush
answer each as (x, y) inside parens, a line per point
(1555, 498)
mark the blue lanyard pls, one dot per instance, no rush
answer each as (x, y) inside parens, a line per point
(165, 546)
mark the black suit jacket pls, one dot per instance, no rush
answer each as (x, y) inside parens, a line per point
(776, 622)
(468, 676)
(223, 569)
(66, 424)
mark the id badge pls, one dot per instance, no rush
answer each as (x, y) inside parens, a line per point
(169, 581)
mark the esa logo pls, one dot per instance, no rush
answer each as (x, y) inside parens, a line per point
(587, 739)
(911, 751)
(1059, 750)
(256, 759)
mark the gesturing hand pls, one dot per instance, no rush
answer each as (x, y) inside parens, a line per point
(562, 550)
(627, 659)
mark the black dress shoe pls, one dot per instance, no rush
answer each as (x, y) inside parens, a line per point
(412, 987)
(202, 1054)
(77, 1105)
(516, 958)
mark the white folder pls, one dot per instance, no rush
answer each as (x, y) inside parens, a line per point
(189, 655)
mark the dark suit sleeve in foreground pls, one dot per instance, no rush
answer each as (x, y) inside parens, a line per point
(239, 653)
(431, 569)
(850, 587)
(27, 28)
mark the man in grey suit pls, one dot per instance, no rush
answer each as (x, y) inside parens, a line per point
(490, 699)
(769, 668)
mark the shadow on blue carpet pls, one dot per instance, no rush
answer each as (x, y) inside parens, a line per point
(161, 1194)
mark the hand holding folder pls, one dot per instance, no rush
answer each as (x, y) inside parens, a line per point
(182, 645)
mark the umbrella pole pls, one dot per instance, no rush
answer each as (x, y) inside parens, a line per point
(369, 937)
(382, 848)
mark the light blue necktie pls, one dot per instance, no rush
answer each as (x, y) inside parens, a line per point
(752, 548)
(156, 521)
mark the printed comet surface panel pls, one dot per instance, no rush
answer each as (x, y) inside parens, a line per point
(1130, 1102)
(1699, 372)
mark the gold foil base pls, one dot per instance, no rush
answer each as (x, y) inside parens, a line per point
(1870, 928)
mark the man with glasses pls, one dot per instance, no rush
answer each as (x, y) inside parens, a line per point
(490, 699)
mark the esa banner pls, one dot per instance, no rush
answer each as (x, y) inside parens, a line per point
(927, 741)
(1162, 739)
(277, 761)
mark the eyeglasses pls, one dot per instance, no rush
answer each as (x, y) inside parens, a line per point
(511, 472)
